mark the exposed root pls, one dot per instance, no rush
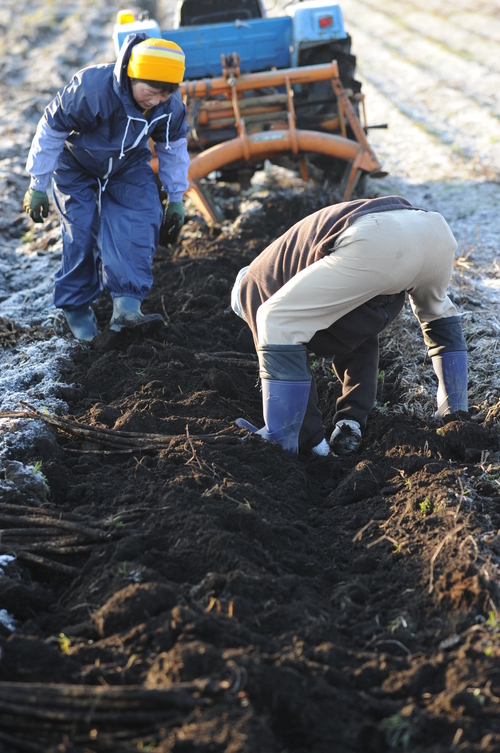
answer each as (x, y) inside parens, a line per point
(123, 441)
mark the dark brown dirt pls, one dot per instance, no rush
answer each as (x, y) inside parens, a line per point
(215, 596)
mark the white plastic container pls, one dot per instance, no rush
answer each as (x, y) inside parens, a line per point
(149, 26)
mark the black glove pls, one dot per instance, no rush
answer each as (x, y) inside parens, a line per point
(173, 220)
(36, 204)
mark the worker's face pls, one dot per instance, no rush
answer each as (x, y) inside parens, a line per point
(147, 97)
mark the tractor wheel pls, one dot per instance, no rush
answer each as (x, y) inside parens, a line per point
(317, 101)
(318, 98)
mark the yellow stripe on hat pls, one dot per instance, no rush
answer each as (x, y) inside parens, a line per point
(157, 60)
(160, 52)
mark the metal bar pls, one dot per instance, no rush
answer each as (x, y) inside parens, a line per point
(352, 117)
(266, 144)
(303, 75)
(219, 122)
(352, 176)
(204, 203)
(245, 102)
(223, 116)
(341, 119)
(291, 118)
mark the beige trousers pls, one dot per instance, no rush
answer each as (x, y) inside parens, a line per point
(380, 254)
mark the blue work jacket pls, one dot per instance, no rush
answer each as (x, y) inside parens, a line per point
(96, 119)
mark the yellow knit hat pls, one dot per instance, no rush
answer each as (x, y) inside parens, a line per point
(157, 60)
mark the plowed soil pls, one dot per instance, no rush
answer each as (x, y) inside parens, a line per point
(181, 586)
(317, 604)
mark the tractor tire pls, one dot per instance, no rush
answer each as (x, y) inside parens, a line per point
(317, 100)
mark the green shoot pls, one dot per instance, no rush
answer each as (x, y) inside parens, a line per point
(425, 506)
(146, 746)
(397, 731)
(64, 643)
(492, 620)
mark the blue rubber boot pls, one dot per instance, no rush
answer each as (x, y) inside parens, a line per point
(284, 405)
(82, 323)
(451, 371)
(127, 314)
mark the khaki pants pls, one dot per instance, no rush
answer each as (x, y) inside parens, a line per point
(380, 254)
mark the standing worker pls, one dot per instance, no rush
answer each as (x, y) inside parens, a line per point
(330, 285)
(93, 142)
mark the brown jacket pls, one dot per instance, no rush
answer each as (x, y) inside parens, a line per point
(305, 243)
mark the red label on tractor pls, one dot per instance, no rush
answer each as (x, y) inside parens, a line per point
(325, 22)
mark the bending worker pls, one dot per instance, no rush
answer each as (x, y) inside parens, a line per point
(330, 285)
(92, 141)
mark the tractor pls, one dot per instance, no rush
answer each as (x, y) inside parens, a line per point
(258, 87)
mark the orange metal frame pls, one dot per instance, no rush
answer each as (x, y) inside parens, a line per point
(272, 122)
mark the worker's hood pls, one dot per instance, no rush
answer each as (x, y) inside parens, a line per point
(121, 80)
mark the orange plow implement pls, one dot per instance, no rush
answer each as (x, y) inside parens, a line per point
(263, 126)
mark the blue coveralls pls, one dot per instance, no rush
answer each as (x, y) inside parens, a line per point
(104, 187)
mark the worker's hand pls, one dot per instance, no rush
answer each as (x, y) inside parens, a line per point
(173, 220)
(36, 204)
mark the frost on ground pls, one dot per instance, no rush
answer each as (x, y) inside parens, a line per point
(429, 71)
(46, 44)
(347, 606)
